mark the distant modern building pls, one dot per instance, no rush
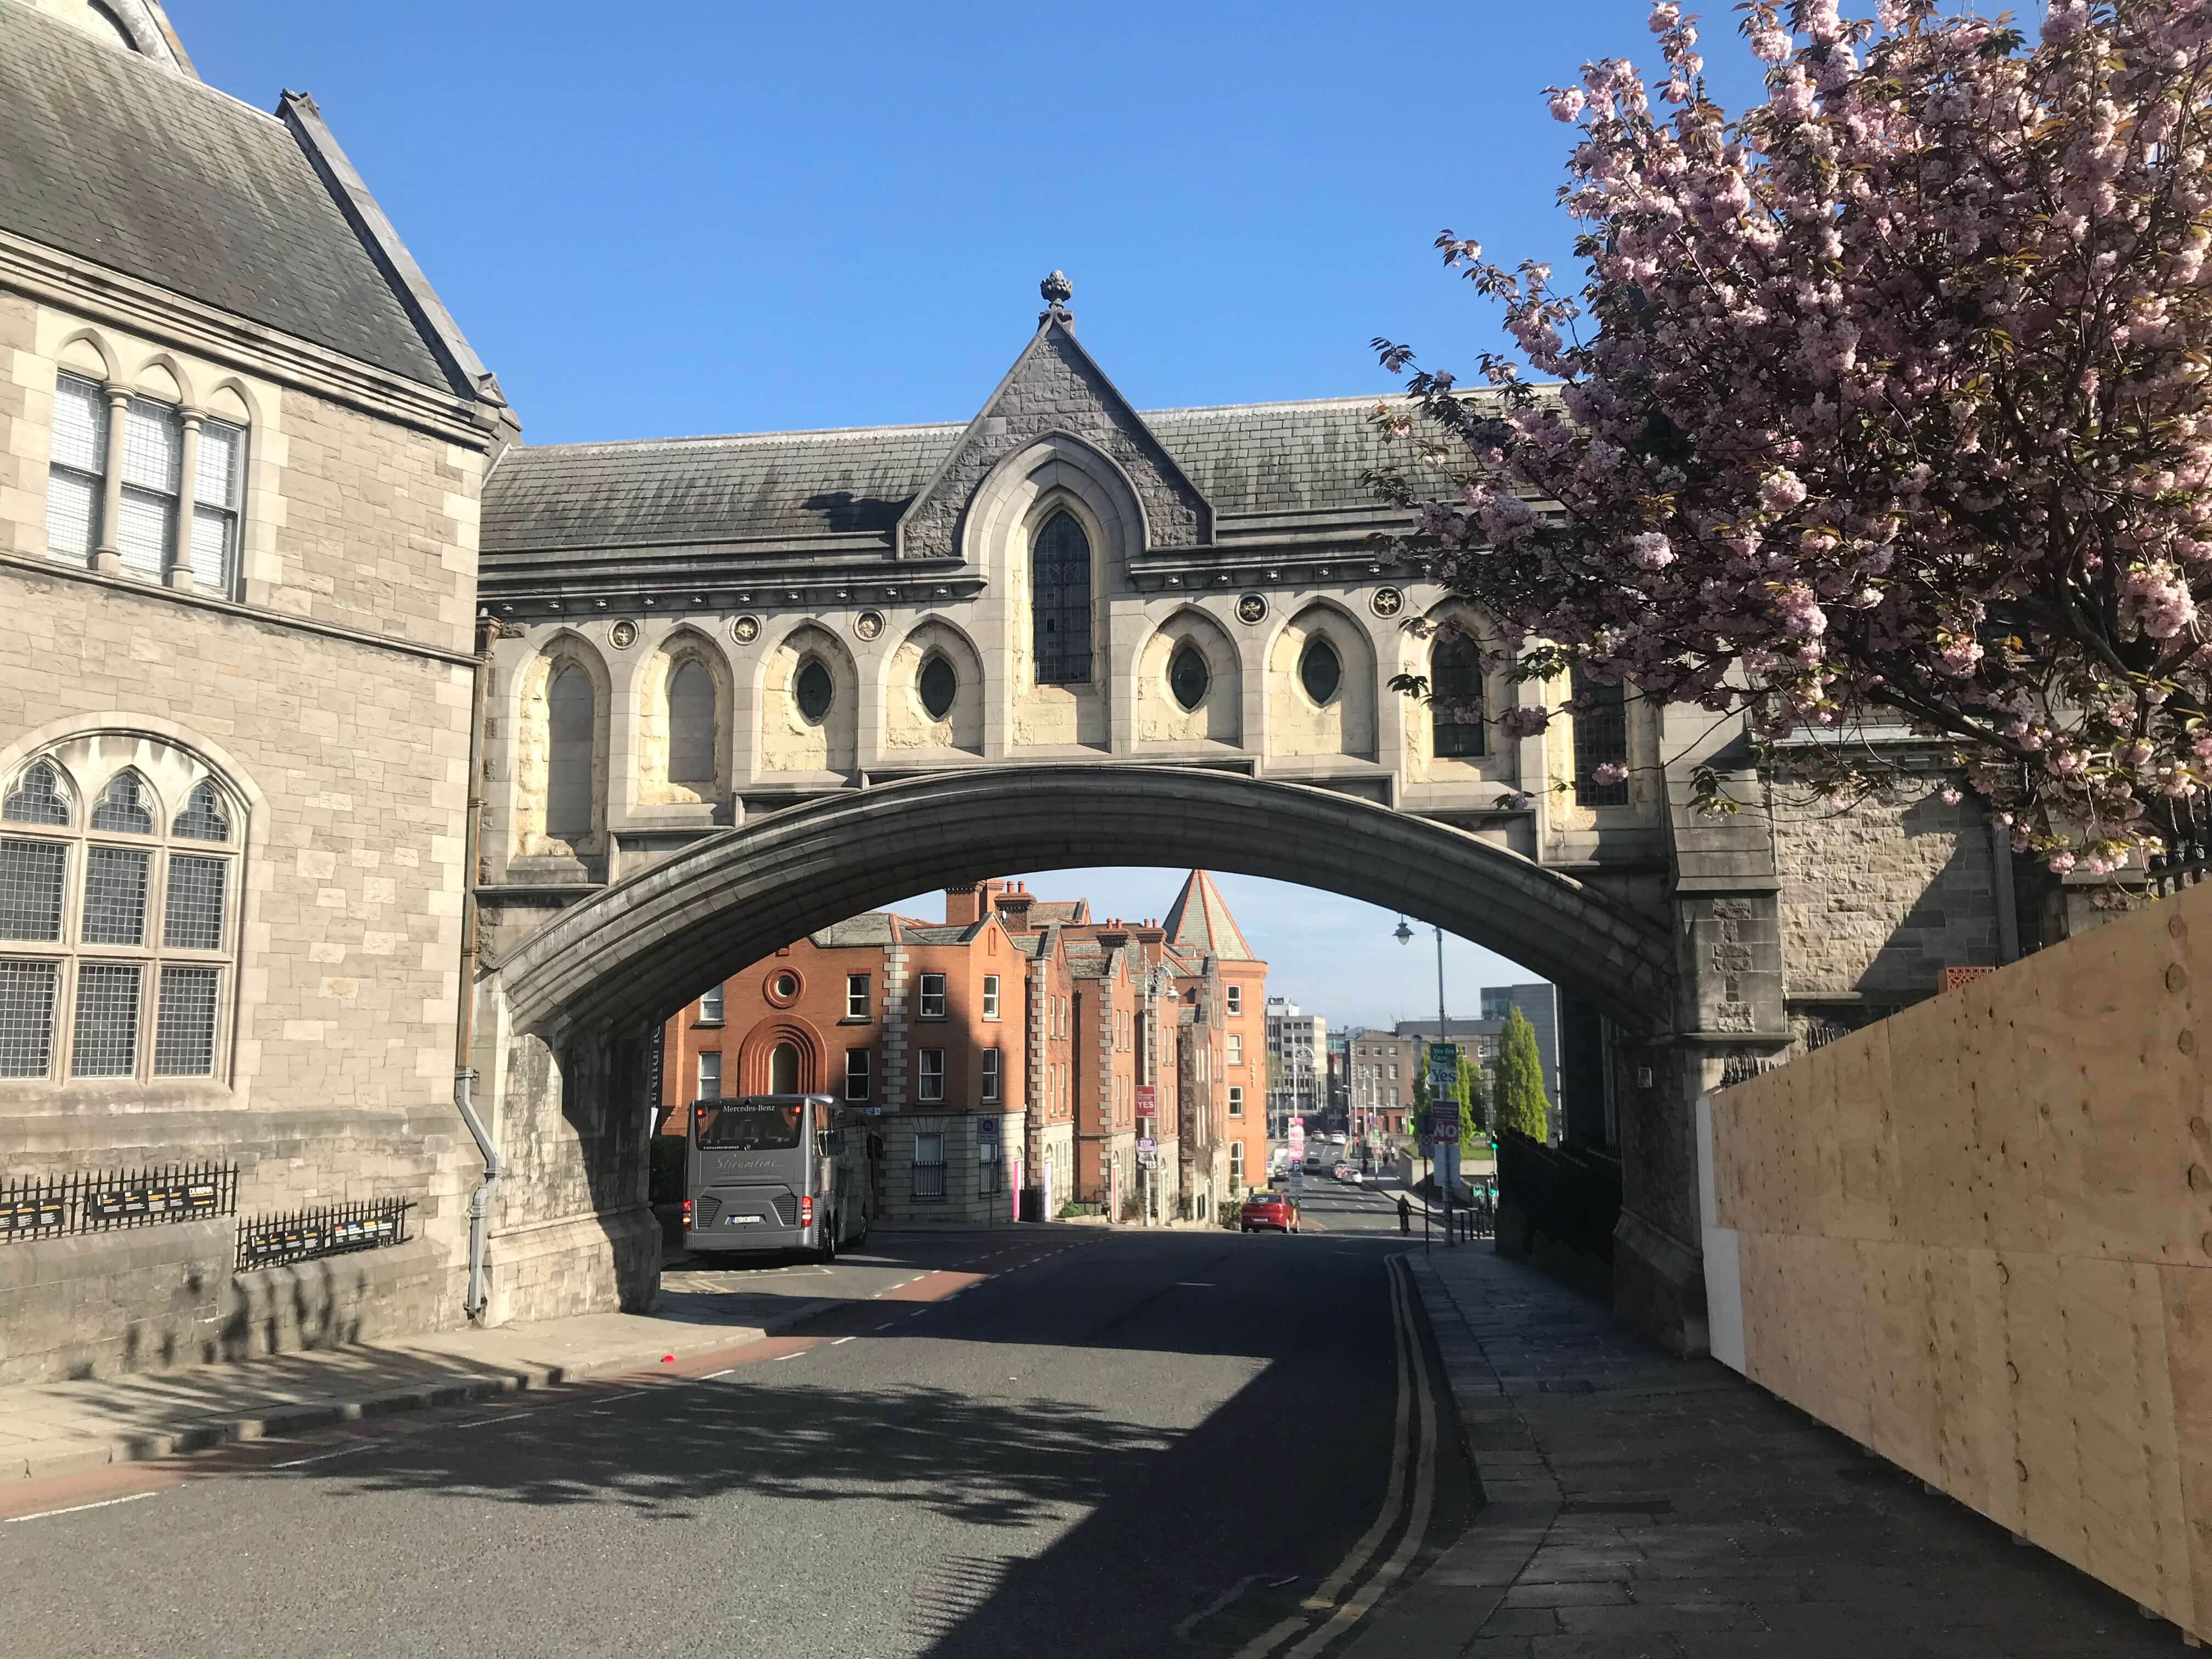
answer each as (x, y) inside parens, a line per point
(1297, 1064)
(1539, 1004)
(1377, 1072)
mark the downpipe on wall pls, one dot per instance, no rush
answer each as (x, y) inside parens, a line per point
(465, 1076)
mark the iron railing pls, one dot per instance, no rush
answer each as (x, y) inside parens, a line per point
(108, 1200)
(2187, 856)
(270, 1241)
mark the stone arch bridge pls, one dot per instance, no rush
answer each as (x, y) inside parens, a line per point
(739, 688)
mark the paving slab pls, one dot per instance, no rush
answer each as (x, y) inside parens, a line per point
(1642, 1506)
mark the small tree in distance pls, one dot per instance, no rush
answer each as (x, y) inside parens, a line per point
(1472, 1108)
(1523, 1105)
(1884, 400)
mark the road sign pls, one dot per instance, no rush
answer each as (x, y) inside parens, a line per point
(1297, 1140)
(1146, 1144)
(1147, 1100)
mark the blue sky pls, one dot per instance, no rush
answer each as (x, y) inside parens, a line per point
(661, 220)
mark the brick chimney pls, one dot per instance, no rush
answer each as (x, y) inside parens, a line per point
(972, 903)
(1111, 934)
(1014, 905)
(1152, 937)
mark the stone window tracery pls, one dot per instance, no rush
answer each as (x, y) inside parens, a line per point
(1059, 602)
(119, 927)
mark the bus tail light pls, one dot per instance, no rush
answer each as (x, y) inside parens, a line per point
(687, 1215)
(806, 1209)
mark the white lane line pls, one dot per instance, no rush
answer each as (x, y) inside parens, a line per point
(1194, 1284)
(887, 1324)
(917, 1313)
(781, 1357)
(841, 1341)
(711, 1376)
(79, 1509)
(320, 1457)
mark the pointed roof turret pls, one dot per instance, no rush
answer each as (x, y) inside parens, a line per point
(1201, 921)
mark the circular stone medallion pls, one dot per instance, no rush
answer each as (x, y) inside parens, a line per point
(1387, 602)
(868, 624)
(745, 629)
(1252, 608)
(623, 633)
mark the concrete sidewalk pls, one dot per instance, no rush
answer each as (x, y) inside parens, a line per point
(62, 1428)
(1644, 1507)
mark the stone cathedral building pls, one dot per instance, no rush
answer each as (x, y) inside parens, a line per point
(320, 693)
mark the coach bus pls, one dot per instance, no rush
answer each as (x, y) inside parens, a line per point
(769, 1174)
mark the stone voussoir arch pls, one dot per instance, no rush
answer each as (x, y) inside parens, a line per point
(626, 957)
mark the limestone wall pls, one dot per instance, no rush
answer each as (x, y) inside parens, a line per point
(1977, 1237)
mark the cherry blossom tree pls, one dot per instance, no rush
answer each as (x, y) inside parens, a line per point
(1883, 400)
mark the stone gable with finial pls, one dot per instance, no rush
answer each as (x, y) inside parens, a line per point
(1055, 387)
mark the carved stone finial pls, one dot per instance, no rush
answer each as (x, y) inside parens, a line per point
(1057, 289)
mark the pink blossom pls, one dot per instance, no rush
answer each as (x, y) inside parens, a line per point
(1651, 552)
(1782, 490)
(1567, 103)
(2060, 863)
(1664, 16)
(1523, 722)
(1950, 795)
(1610, 772)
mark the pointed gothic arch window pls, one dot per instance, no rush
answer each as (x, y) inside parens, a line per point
(1059, 602)
(691, 725)
(1455, 697)
(38, 799)
(813, 690)
(1601, 739)
(570, 731)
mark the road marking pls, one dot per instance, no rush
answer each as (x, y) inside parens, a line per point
(79, 1509)
(781, 1357)
(1194, 1284)
(887, 1324)
(726, 1371)
(1424, 1492)
(1412, 1389)
(1184, 1629)
(323, 1457)
(841, 1341)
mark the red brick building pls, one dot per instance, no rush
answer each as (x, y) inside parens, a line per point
(1018, 1044)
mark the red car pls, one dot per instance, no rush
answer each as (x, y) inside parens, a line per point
(1277, 1209)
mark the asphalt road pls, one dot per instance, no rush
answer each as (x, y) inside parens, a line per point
(1110, 1443)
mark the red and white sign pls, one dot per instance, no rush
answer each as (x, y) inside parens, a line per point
(1147, 1100)
(1297, 1140)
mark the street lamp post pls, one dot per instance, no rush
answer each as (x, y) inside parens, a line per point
(1404, 935)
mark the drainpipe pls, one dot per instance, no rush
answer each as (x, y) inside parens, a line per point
(464, 1075)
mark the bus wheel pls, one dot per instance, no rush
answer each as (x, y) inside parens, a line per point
(828, 1253)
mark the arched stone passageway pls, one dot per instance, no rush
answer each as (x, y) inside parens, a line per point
(626, 957)
(566, 1013)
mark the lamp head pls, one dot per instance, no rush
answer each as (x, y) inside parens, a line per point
(1405, 934)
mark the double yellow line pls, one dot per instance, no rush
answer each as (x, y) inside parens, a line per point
(1412, 1443)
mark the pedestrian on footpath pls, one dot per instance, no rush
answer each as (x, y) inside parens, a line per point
(1405, 1215)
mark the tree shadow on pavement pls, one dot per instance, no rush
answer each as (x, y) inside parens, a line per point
(974, 1459)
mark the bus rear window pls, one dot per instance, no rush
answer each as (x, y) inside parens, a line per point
(748, 1126)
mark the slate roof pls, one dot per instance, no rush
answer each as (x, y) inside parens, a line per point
(116, 160)
(1075, 912)
(873, 928)
(1201, 921)
(780, 488)
(941, 933)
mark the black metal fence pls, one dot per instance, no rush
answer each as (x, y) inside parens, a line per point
(1571, 1194)
(270, 1241)
(105, 1200)
(2187, 832)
